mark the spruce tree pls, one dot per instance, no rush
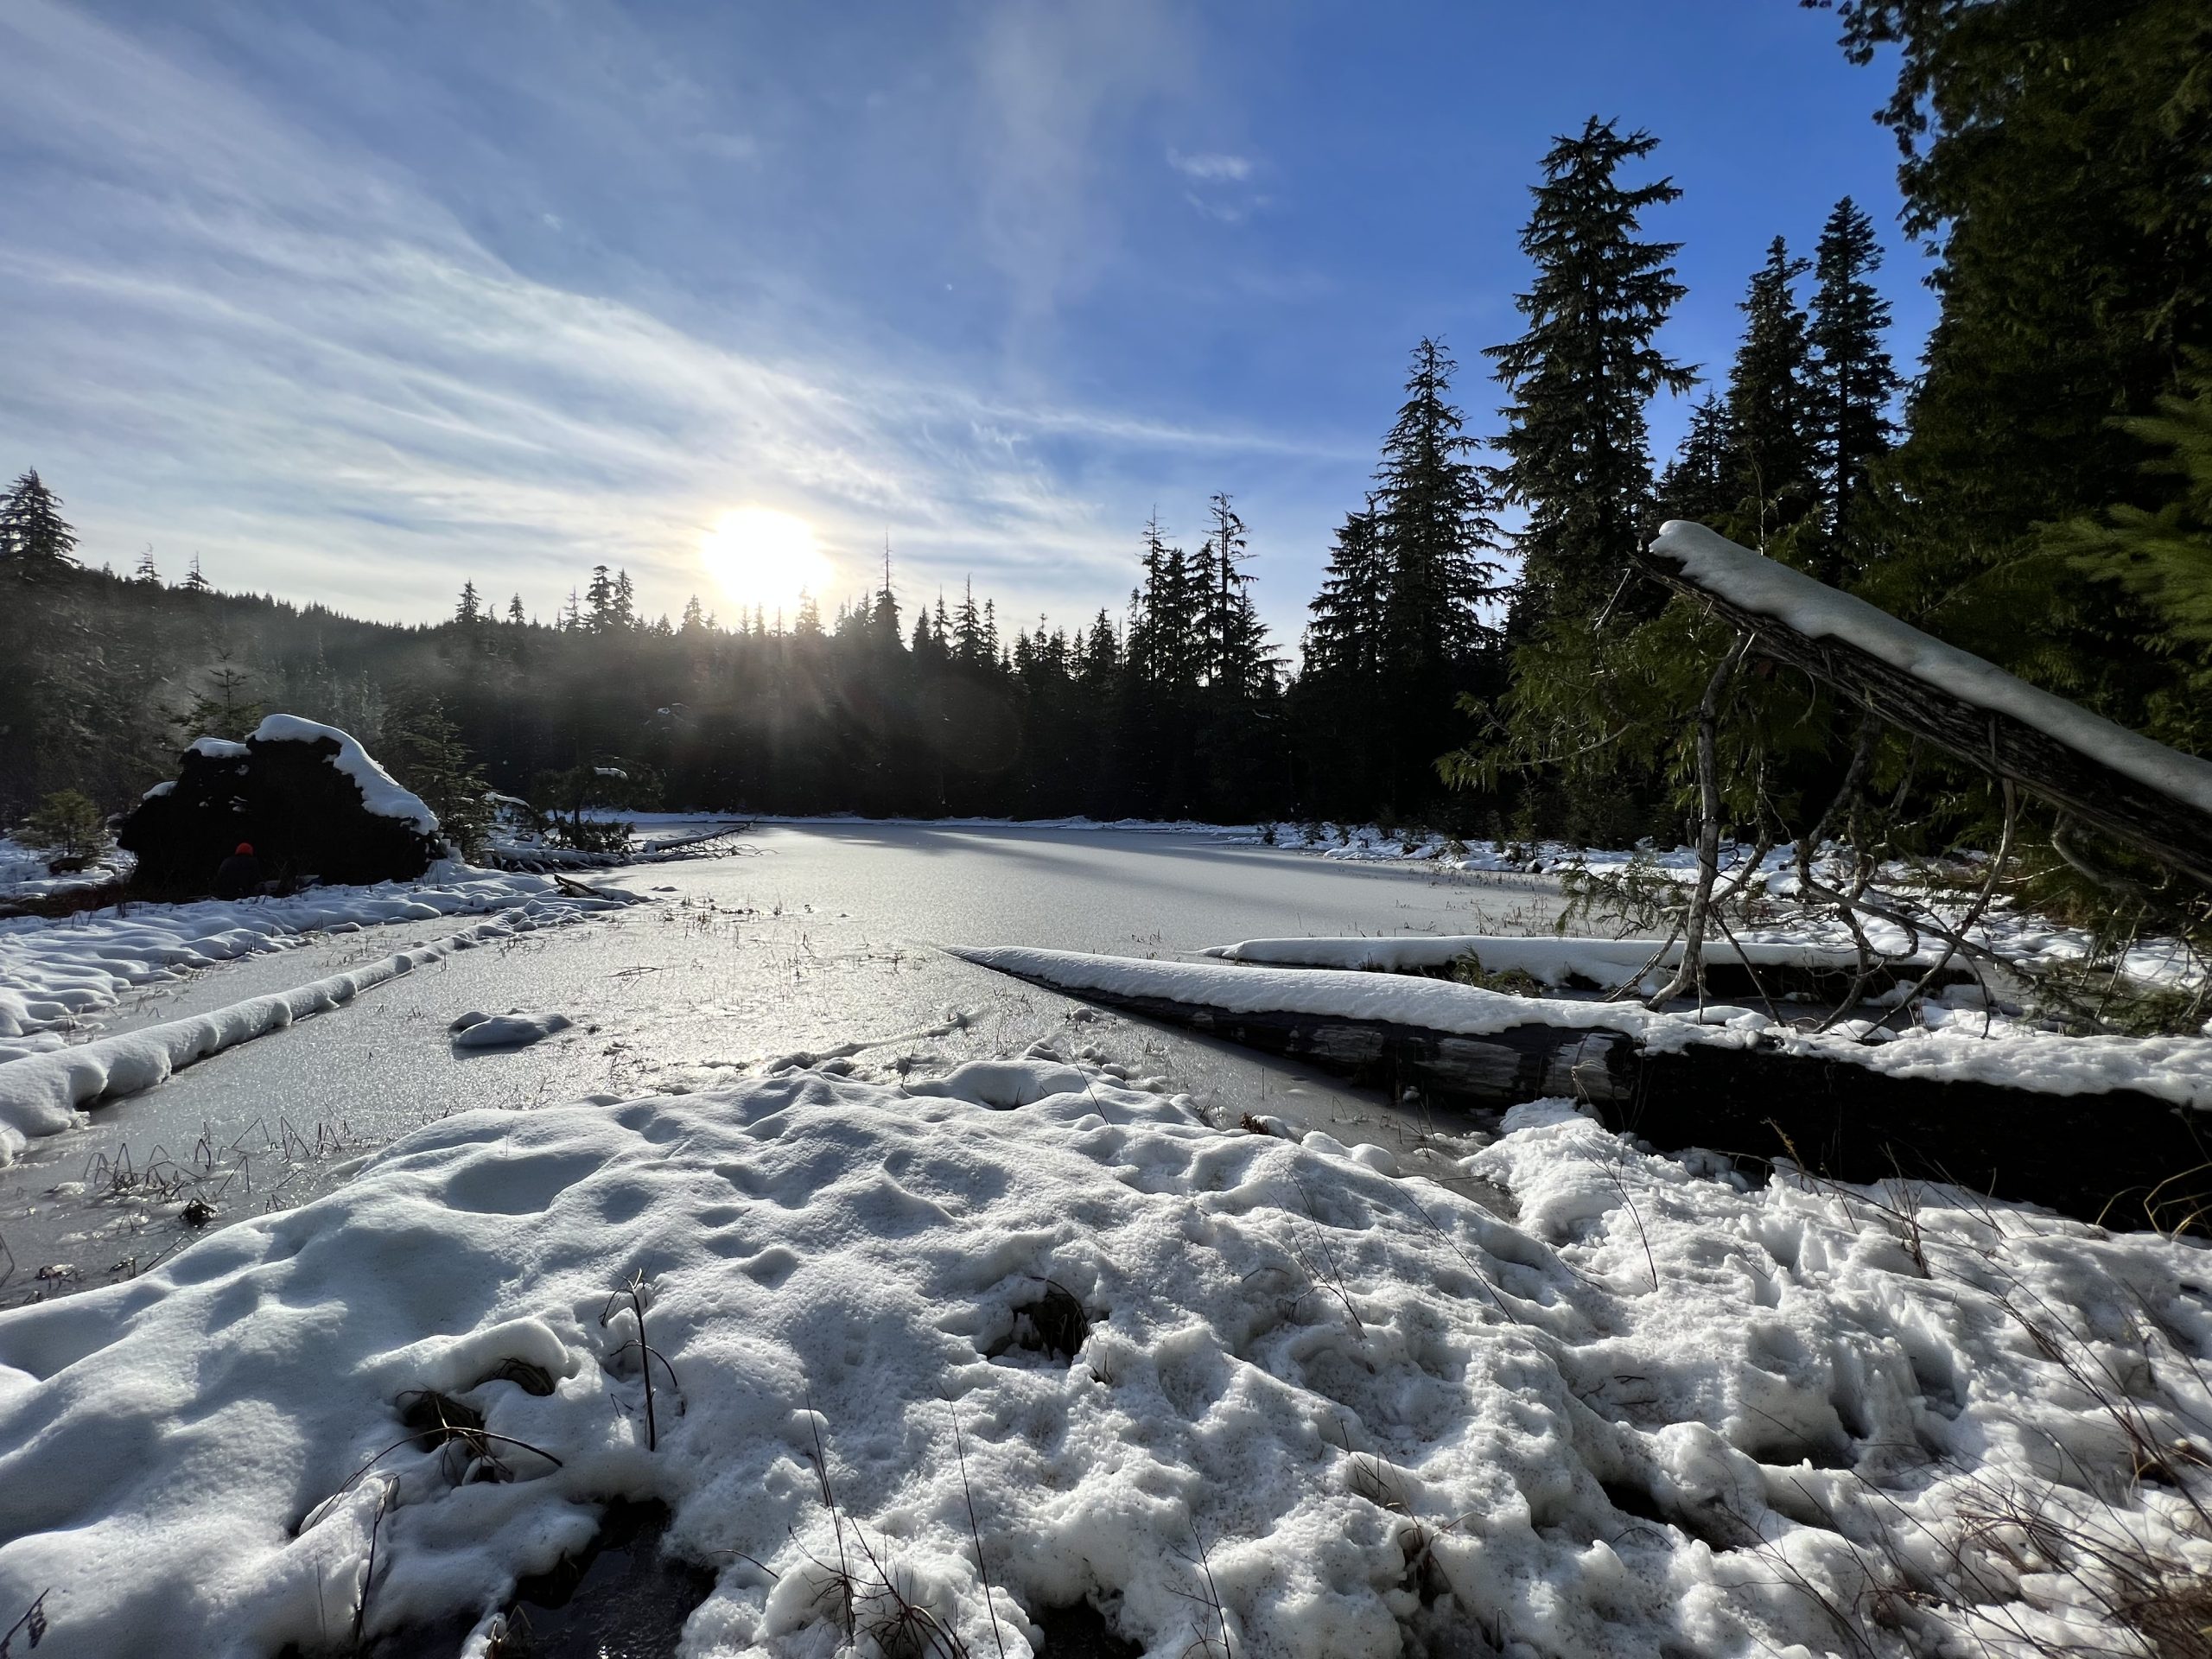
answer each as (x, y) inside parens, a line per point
(1343, 642)
(194, 581)
(515, 611)
(222, 707)
(424, 750)
(35, 542)
(1697, 484)
(1773, 461)
(470, 610)
(1432, 517)
(1576, 445)
(146, 574)
(1853, 380)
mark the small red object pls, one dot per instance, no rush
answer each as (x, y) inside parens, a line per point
(245, 849)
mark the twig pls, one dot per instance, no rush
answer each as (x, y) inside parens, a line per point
(640, 1296)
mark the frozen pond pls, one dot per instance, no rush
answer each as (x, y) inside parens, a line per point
(815, 942)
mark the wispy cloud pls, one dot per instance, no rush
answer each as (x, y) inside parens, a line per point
(236, 336)
(1211, 166)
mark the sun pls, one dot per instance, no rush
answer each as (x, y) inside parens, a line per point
(758, 555)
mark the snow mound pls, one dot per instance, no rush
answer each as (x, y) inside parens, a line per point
(514, 1029)
(380, 793)
(1657, 1415)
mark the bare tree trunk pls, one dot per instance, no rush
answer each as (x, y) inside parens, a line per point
(1692, 971)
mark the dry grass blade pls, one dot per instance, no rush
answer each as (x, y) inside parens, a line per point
(960, 1450)
(31, 1625)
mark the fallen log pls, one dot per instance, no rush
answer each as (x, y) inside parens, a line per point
(2119, 1155)
(2126, 786)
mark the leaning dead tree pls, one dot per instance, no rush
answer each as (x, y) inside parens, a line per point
(2100, 776)
(2143, 795)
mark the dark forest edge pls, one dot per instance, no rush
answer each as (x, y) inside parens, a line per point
(2041, 495)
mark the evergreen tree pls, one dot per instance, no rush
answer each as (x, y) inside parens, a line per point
(35, 542)
(424, 750)
(694, 617)
(222, 707)
(515, 611)
(1771, 408)
(1698, 484)
(1853, 380)
(1431, 514)
(2054, 154)
(1343, 642)
(195, 583)
(470, 610)
(1238, 658)
(146, 573)
(1577, 451)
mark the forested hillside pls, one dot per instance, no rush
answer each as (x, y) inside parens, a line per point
(1481, 656)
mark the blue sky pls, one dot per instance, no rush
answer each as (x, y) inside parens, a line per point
(356, 301)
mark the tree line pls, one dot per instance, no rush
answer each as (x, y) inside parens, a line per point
(2039, 493)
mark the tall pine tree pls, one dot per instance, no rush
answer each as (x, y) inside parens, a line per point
(1578, 454)
(1772, 460)
(35, 542)
(1853, 381)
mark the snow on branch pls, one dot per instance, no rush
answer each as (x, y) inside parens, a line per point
(2130, 787)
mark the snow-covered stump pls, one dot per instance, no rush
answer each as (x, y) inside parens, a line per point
(307, 797)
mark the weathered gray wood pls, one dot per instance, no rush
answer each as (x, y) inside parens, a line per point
(2170, 832)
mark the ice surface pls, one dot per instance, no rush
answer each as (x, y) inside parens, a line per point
(1657, 1414)
(380, 793)
(56, 972)
(1766, 587)
(40, 1091)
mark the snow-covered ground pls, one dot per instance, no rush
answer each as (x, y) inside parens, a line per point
(23, 872)
(1319, 1410)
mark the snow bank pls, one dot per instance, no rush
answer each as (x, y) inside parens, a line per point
(380, 793)
(1657, 1416)
(39, 1092)
(57, 972)
(1759, 585)
(1949, 1048)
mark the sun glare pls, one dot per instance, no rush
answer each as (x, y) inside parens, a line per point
(758, 555)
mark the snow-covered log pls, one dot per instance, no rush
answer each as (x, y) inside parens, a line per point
(2089, 1126)
(2120, 783)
